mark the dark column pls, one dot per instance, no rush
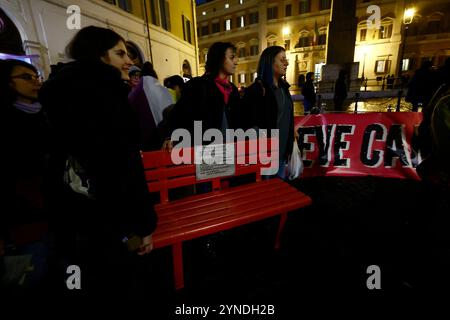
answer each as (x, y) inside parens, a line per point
(342, 32)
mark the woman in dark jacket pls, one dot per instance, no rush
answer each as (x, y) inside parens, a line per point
(269, 104)
(25, 150)
(340, 91)
(98, 141)
(210, 98)
(309, 93)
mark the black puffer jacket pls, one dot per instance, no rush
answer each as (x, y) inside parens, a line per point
(92, 121)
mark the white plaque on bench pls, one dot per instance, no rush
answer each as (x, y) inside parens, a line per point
(214, 160)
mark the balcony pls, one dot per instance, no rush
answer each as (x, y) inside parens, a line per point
(309, 48)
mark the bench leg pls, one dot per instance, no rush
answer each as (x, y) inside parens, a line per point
(177, 257)
(283, 218)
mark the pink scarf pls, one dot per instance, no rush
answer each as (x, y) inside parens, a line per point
(224, 87)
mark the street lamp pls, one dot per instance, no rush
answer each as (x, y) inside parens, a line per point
(408, 18)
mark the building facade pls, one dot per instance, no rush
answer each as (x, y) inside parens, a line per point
(160, 31)
(301, 26)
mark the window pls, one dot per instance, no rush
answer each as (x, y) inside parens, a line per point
(412, 63)
(227, 5)
(228, 24)
(153, 13)
(242, 78)
(215, 27)
(322, 39)
(325, 4)
(405, 64)
(433, 27)
(254, 50)
(205, 57)
(241, 52)
(230, 78)
(288, 11)
(125, 5)
(318, 71)
(304, 42)
(362, 34)
(424, 59)
(272, 13)
(205, 30)
(253, 17)
(304, 6)
(240, 21)
(271, 43)
(287, 44)
(385, 32)
(186, 29)
(413, 29)
(382, 66)
(441, 60)
(165, 14)
(241, 1)
(255, 75)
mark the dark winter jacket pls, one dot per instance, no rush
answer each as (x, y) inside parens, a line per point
(93, 122)
(261, 109)
(202, 100)
(25, 151)
(309, 92)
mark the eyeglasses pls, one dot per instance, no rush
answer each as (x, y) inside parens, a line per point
(28, 77)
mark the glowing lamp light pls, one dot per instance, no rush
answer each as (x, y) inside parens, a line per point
(408, 16)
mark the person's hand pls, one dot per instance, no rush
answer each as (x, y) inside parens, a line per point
(167, 145)
(146, 246)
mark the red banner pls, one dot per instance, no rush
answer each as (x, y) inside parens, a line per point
(376, 144)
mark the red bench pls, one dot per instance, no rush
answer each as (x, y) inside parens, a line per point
(220, 209)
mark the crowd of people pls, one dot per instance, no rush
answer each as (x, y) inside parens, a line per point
(75, 190)
(75, 187)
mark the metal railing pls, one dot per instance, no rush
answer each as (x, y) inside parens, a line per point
(357, 103)
(365, 95)
(366, 84)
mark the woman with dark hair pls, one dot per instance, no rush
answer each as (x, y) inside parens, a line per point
(175, 84)
(99, 186)
(25, 149)
(309, 93)
(211, 98)
(269, 103)
(148, 70)
(340, 91)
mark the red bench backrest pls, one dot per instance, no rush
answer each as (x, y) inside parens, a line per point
(162, 174)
